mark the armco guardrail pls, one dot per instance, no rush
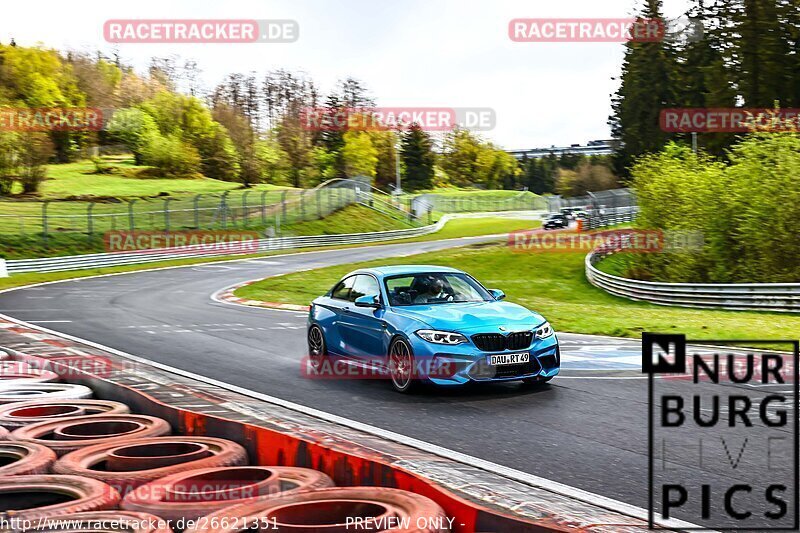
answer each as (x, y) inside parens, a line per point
(776, 297)
(80, 262)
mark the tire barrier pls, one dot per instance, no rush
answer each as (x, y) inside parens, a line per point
(15, 372)
(40, 497)
(18, 414)
(353, 460)
(135, 462)
(191, 495)
(105, 522)
(70, 434)
(3, 433)
(333, 510)
(46, 391)
(25, 459)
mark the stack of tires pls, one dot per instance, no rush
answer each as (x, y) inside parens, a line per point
(70, 463)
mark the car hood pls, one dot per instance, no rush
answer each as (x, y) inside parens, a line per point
(472, 317)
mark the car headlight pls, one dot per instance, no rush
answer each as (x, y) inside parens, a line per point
(441, 337)
(543, 331)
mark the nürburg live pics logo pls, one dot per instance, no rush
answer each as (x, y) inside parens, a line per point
(722, 433)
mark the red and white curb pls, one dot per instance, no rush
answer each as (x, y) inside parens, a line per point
(227, 295)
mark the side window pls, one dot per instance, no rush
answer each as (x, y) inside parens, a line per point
(342, 290)
(364, 286)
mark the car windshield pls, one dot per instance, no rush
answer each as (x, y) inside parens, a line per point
(434, 288)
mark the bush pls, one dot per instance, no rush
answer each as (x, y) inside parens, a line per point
(747, 211)
(172, 156)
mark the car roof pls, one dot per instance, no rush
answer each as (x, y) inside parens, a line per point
(399, 270)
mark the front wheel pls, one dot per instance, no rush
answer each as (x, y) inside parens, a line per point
(317, 350)
(401, 366)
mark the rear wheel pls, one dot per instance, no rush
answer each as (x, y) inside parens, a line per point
(401, 366)
(317, 351)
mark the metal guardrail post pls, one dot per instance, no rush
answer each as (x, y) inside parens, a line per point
(244, 208)
(131, 221)
(330, 201)
(89, 221)
(224, 206)
(196, 201)
(44, 221)
(166, 214)
(264, 207)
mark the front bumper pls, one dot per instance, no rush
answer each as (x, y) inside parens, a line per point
(460, 364)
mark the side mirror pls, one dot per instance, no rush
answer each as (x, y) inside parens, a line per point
(497, 293)
(370, 300)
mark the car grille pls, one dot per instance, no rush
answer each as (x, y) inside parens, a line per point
(496, 342)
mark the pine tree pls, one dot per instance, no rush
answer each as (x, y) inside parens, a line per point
(789, 13)
(704, 80)
(647, 86)
(759, 52)
(418, 159)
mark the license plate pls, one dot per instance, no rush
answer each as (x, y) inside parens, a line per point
(508, 359)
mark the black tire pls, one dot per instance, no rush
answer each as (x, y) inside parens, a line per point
(317, 348)
(402, 365)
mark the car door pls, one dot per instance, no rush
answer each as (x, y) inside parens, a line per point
(337, 302)
(362, 328)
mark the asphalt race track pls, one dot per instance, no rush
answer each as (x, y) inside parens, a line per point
(587, 429)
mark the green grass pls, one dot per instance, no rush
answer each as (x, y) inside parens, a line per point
(555, 285)
(351, 219)
(616, 264)
(466, 200)
(473, 227)
(70, 187)
(454, 228)
(78, 179)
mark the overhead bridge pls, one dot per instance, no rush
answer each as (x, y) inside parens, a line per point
(591, 148)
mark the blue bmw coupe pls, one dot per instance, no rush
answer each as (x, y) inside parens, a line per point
(416, 323)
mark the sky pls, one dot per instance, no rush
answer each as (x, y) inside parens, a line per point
(408, 53)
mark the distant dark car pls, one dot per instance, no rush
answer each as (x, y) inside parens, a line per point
(555, 222)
